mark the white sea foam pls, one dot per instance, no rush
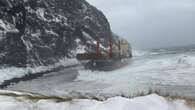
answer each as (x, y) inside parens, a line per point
(141, 75)
(8, 73)
(157, 66)
(138, 53)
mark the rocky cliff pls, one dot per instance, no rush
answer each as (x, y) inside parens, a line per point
(40, 32)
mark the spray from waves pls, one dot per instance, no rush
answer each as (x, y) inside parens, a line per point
(151, 68)
(172, 76)
(177, 62)
(10, 74)
(138, 53)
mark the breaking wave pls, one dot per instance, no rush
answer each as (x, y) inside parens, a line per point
(9, 73)
(138, 53)
(168, 74)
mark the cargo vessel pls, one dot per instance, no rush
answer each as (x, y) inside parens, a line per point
(117, 56)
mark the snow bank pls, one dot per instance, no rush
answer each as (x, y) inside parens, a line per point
(150, 102)
(8, 73)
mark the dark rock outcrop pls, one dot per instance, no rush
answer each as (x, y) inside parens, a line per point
(39, 32)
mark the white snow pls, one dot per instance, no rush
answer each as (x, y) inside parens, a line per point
(2, 24)
(36, 35)
(8, 73)
(60, 18)
(41, 13)
(91, 40)
(27, 43)
(150, 102)
(7, 27)
(101, 46)
(55, 18)
(86, 35)
(51, 32)
(2, 54)
(81, 49)
(87, 17)
(85, 8)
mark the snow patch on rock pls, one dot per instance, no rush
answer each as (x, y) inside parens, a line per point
(7, 27)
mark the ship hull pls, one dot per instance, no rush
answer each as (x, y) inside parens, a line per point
(106, 65)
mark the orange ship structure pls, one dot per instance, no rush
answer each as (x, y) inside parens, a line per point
(117, 56)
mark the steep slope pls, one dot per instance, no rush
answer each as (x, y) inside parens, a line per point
(40, 32)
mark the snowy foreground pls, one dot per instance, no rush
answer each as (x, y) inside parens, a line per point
(150, 102)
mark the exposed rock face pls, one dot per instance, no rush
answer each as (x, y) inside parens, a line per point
(39, 32)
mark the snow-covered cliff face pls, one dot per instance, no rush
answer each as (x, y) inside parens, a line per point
(39, 32)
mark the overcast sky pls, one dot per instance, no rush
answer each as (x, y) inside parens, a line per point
(151, 23)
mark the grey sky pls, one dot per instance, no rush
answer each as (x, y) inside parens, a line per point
(151, 23)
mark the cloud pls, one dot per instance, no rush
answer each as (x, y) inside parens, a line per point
(151, 23)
